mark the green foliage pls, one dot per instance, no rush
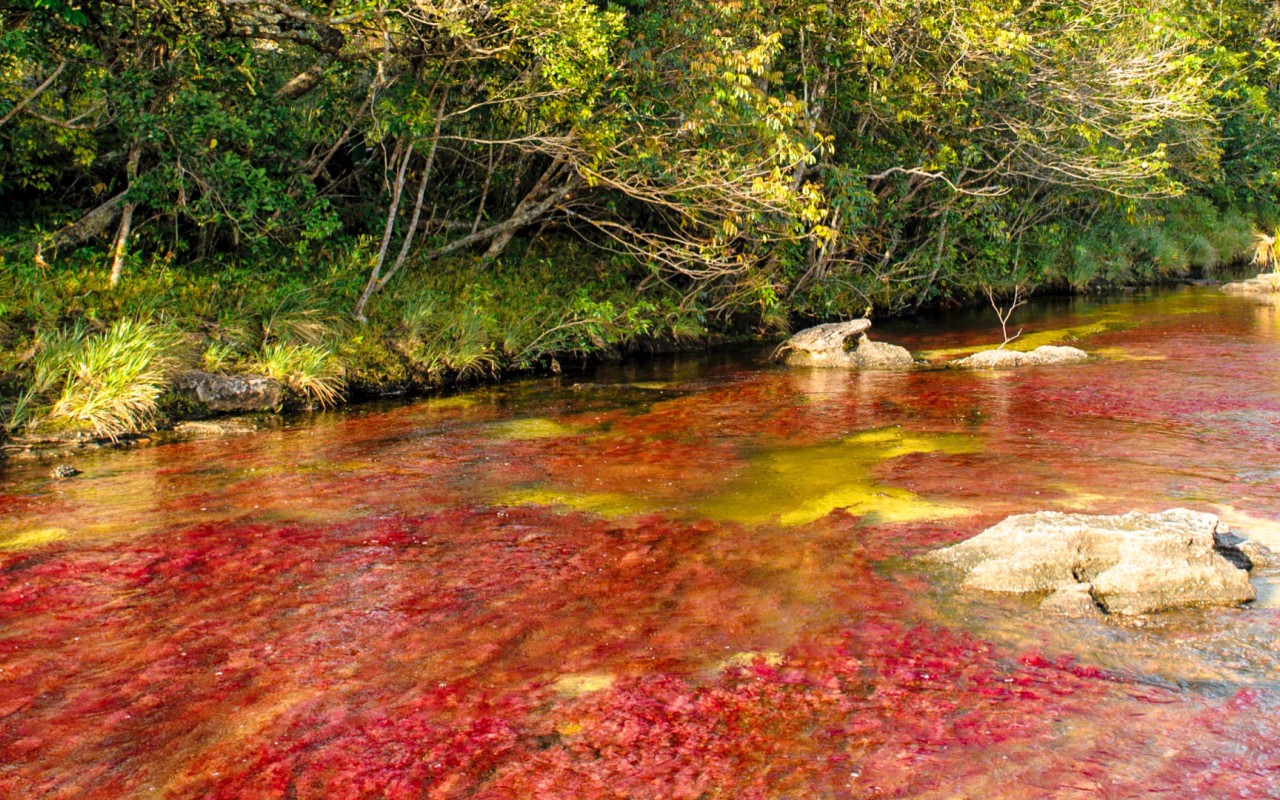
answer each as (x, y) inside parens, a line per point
(311, 371)
(106, 383)
(510, 182)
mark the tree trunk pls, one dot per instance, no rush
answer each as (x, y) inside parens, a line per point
(126, 219)
(377, 282)
(392, 210)
(93, 224)
(121, 243)
(500, 241)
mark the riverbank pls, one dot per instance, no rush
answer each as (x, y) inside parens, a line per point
(366, 364)
(83, 360)
(79, 358)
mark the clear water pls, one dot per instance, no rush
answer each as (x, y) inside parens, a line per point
(680, 578)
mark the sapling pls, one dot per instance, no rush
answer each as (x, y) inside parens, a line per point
(1003, 313)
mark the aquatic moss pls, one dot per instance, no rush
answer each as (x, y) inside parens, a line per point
(1030, 340)
(794, 486)
(603, 504)
(32, 538)
(583, 683)
(531, 428)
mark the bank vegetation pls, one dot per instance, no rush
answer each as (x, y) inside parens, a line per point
(362, 195)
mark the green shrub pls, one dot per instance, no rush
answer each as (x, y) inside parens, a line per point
(1202, 254)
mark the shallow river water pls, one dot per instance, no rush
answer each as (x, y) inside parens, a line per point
(682, 579)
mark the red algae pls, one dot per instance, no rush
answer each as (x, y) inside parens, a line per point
(342, 609)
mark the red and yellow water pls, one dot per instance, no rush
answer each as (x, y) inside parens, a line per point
(681, 580)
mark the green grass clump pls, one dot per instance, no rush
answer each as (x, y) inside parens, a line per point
(312, 371)
(106, 383)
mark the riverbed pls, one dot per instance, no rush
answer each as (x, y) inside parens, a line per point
(677, 578)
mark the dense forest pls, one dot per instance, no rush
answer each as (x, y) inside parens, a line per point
(368, 194)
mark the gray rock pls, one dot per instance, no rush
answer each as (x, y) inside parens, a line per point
(1007, 359)
(1131, 563)
(1267, 283)
(1074, 600)
(826, 346)
(230, 392)
(822, 345)
(879, 355)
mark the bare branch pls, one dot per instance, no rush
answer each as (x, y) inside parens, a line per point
(39, 90)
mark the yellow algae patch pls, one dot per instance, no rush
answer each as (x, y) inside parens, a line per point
(766, 657)
(604, 504)
(949, 353)
(32, 538)
(1121, 354)
(795, 486)
(583, 683)
(889, 505)
(655, 386)
(1077, 499)
(461, 401)
(1032, 340)
(570, 728)
(533, 428)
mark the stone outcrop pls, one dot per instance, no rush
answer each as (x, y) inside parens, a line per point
(1267, 283)
(828, 346)
(230, 392)
(1125, 564)
(1008, 359)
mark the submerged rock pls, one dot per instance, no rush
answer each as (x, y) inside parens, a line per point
(212, 429)
(1126, 564)
(230, 392)
(1006, 359)
(827, 346)
(1267, 283)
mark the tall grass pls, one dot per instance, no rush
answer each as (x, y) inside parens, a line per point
(106, 383)
(313, 372)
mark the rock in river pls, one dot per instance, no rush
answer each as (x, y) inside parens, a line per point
(230, 392)
(1128, 564)
(1267, 283)
(1006, 359)
(826, 346)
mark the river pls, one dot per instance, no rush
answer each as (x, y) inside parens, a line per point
(679, 578)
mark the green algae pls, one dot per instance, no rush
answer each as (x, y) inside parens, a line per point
(1030, 341)
(32, 538)
(795, 486)
(654, 386)
(531, 428)
(1122, 354)
(603, 504)
(457, 401)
